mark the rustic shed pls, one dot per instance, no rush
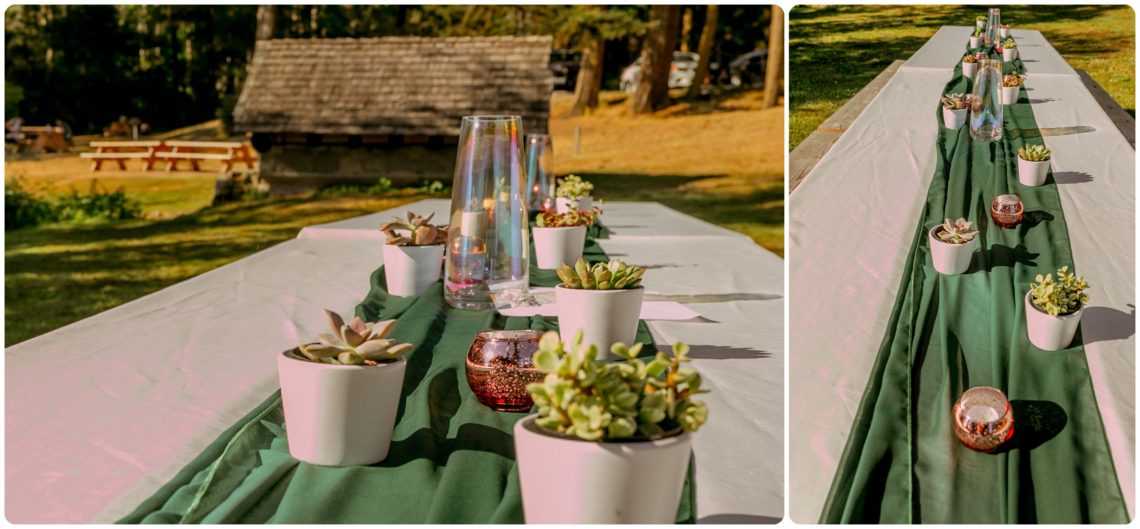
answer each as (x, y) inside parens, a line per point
(353, 110)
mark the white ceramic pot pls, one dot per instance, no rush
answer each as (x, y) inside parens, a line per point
(969, 69)
(1031, 173)
(339, 415)
(981, 24)
(554, 247)
(950, 259)
(1004, 33)
(1008, 54)
(973, 42)
(604, 316)
(954, 118)
(411, 270)
(570, 481)
(564, 205)
(1050, 333)
(1009, 94)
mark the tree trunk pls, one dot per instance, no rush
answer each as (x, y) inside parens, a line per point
(656, 57)
(589, 82)
(704, 49)
(266, 22)
(775, 67)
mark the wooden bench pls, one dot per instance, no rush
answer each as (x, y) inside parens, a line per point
(121, 151)
(194, 151)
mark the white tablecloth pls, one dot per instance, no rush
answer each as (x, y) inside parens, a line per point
(101, 413)
(852, 220)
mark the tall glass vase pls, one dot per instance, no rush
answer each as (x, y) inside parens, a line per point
(993, 28)
(985, 105)
(539, 172)
(488, 255)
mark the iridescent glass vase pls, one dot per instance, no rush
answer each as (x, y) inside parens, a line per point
(985, 105)
(539, 172)
(488, 257)
(993, 28)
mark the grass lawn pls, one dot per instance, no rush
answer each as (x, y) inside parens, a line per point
(721, 161)
(836, 50)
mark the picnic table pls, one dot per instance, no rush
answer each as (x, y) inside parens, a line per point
(851, 224)
(172, 151)
(103, 412)
(121, 151)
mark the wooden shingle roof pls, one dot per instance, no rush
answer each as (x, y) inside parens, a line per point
(394, 85)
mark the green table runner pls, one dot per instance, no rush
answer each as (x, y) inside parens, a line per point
(902, 462)
(451, 460)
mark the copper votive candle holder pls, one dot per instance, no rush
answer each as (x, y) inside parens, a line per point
(983, 419)
(1007, 210)
(499, 367)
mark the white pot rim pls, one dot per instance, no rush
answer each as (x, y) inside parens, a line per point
(1062, 317)
(583, 226)
(415, 245)
(294, 354)
(528, 423)
(1032, 161)
(950, 244)
(610, 292)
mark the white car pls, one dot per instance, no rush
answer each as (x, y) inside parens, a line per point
(681, 71)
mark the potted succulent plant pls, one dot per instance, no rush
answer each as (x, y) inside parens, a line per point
(980, 22)
(560, 237)
(1008, 50)
(1010, 88)
(1004, 30)
(611, 440)
(969, 66)
(975, 38)
(340, 395)
(952, 245)
(955, 108)
(1053, 309)
(602, 301)
(1033, 164)
(413, 254)
(573, 193)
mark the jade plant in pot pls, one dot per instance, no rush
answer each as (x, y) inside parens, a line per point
(1053, 309)
(560, 237)
(975, 38)
(340, 394)
(952, 245)
(955, 109)
(1010, 88)
(1004, 30)
(969, 66)
(1008, 50)
(413, 254)
(573, 193)
(611, 440)
(1033, 164)
(980, 22)
(602, 301)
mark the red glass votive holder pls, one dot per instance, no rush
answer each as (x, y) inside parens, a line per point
(499, 367)
(983, 419)
(1007, 210)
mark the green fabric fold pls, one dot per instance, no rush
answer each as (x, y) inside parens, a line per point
(451, 459)
(902, 462)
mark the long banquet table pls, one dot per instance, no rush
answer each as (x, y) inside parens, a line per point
(102, 413)
(852, 220)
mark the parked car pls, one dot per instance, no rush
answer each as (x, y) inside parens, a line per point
(564, 68)
(681, 71)
(748, 70)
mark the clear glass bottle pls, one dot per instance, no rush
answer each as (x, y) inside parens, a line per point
(539, 172)
(993, 27)
(985, 105)
(488, 253)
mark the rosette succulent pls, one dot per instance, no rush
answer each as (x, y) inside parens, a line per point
(1034, 153)
(1009, 44)
(1012, 80)
(1063, 296)
(956, 232)
(552, 219)
(969, 59)
(634, 399)
(614, 275)
(355, 343)
(573, 187)
(956, 101)
(413, 230)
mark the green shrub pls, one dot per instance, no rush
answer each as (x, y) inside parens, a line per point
(24, 208)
